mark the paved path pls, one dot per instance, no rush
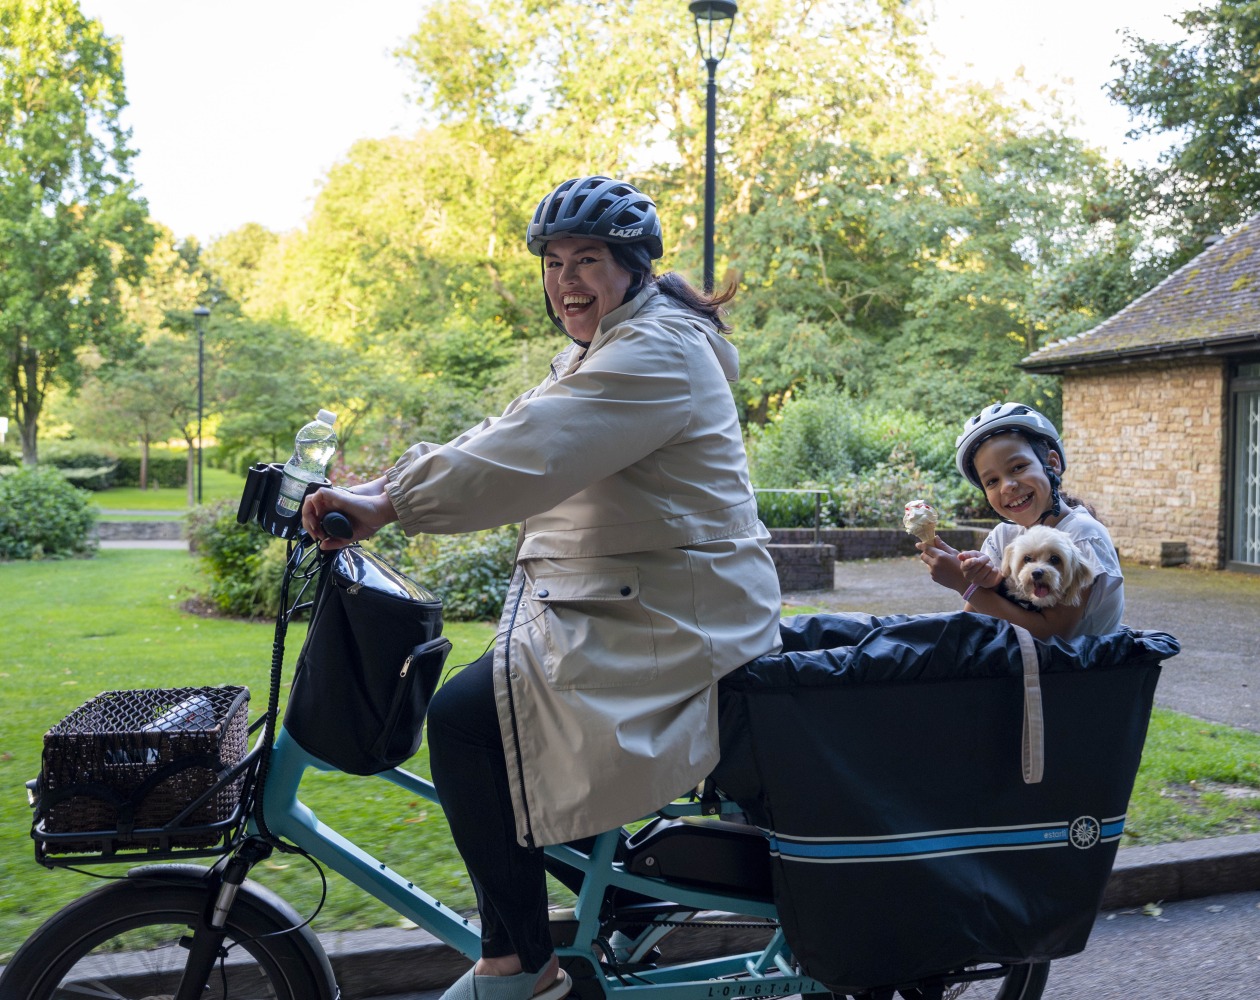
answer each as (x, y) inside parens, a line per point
(1200, 949)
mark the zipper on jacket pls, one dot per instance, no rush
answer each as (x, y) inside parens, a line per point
(516, 736)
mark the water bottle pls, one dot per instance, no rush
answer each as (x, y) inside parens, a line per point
(193, 714)
(312, 450)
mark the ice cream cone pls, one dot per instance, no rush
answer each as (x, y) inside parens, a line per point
(920, 520)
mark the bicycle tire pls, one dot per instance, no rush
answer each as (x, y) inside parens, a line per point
(1025, 982)
(97, 939)
(1021, 982)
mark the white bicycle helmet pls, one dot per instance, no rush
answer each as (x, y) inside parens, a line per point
(997, 419)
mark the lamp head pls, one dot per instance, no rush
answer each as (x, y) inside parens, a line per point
(713, 10)
(709, 15)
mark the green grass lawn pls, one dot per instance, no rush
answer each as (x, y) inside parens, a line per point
(170, 500)
(78, 627)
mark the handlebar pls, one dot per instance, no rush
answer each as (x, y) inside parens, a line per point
(337, 524)
(258, 503)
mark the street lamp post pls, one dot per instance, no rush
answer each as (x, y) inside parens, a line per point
(712, 16)
(199, 315)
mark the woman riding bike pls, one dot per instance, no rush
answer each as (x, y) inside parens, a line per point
(641, 578)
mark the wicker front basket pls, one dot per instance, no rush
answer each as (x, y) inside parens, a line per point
(122, 767)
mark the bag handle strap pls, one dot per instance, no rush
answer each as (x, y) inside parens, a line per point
(1033, 753)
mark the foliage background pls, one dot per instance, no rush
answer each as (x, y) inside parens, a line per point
(896, 237)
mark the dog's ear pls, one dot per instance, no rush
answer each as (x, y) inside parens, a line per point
(1008, 560)
(1077, 574)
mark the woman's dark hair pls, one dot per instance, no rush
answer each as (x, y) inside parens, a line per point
(680, 290)
(634, 257)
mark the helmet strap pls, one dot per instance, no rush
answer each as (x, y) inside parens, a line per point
(1055, 505)
(552, 313)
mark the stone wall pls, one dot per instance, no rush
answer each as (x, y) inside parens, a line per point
(874, 543)
(803, 564)
(804, 567)
(109, 531)
(1146, 446)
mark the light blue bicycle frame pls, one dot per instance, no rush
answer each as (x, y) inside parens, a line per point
(754, 974)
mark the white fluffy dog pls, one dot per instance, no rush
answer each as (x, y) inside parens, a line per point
(1043, 567)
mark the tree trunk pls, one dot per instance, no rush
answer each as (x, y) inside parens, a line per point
(144, 461)
(29, 431)
(27, 403)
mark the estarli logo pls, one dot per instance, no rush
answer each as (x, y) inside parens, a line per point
(1085, 832)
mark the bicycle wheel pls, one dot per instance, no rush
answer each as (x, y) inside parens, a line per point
(1011, 982)
(125, 942)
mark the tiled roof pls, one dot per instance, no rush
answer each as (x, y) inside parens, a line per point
(1209, 306)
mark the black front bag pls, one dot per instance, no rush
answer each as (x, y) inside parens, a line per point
(371, 662)
(887, 760)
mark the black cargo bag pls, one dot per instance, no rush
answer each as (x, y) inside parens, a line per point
(371, 661)
(896, 767)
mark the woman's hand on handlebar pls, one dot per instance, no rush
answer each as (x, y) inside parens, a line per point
(366, 511)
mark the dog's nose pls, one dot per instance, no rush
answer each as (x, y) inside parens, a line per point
(1037, 574)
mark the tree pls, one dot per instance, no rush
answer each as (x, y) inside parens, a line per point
(146, 391)
(71, 224)
(1203, 93)
(142, 401)
(878, 222)
(236, 260)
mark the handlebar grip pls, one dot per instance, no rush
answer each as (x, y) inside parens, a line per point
(337, 524)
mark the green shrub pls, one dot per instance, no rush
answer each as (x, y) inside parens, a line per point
(810, 440)
(87, 469)
(85, 459)
(826, 436)
(877, 457)
(468, 572)
(168, 471)
(796, 510)
(9, 456)
(243, 563)
(876, 497)
(94, 479)
(42, 516)
(471, 572)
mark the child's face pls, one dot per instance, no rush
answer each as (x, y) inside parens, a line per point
(1014, 481)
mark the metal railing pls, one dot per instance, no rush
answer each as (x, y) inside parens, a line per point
(818, 499)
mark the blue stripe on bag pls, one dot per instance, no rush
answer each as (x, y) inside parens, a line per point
(1082, 833)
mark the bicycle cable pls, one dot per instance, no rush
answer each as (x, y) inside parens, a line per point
(297, 554)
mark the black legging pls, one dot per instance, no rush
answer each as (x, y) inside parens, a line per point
(470, 771)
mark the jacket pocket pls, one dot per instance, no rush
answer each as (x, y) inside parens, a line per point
(596, 630)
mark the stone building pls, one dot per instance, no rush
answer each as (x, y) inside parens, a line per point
(1161, 412)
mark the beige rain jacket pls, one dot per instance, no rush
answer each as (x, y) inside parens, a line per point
(642, 576)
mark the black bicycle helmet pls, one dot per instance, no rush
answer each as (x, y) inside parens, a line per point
(1003, 418)
(611, 210)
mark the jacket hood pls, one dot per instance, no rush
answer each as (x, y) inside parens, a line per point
(667, 311)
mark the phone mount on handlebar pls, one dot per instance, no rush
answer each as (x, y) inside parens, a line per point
(258, 501)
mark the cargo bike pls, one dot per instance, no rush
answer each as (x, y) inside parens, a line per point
(908, 806)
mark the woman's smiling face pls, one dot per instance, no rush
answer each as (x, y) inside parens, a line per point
(1014, 481)
(583, 282)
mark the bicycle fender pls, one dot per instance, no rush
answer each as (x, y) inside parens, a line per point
(259, 898)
